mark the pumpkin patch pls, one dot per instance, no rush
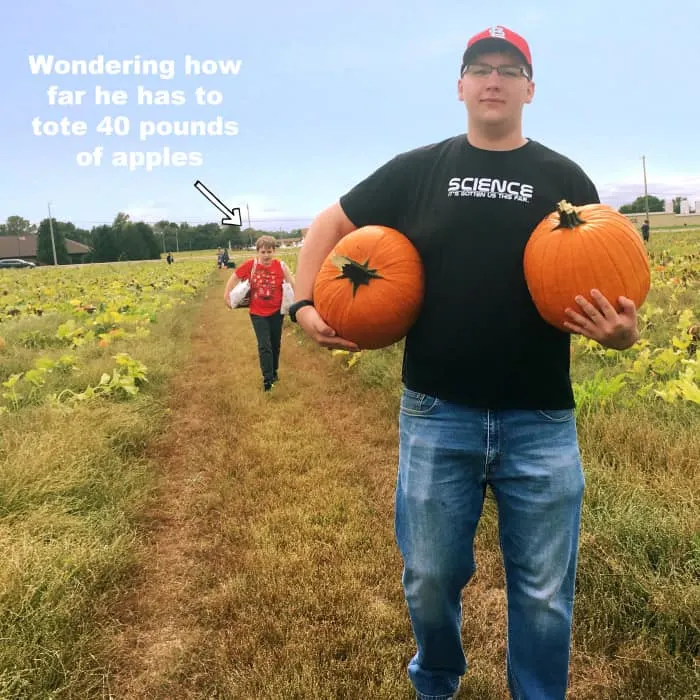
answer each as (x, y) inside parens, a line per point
(369, 288)
(576, 249)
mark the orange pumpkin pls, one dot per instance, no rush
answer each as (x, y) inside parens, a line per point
(369, 288)
(576, 249)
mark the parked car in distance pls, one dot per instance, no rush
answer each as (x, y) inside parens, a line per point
(16, 262)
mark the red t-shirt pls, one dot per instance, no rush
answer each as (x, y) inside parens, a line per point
(265, 287)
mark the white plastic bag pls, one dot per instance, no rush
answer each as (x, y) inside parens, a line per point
(240, 294)
(287, 297)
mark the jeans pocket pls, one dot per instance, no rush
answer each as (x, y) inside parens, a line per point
(563, 415)
(414, 403)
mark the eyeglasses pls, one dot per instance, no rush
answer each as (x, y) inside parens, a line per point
(483, 70)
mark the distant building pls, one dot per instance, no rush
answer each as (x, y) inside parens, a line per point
(25, 247)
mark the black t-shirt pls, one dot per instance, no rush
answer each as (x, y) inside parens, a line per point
(469, 212)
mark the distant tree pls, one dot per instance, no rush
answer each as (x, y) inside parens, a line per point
(44, 248)
(638, 206)
(148, 243)
(120, 220)
(17, 226)
(81, 235)
(105, 247)
(173, 236)
(134, 240)
(207, 236)
(131, 244)
(70, 232)
(167, 233)
(242, 238)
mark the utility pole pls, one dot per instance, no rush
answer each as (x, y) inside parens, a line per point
(646, 196)
(53, 242)
(250, 233)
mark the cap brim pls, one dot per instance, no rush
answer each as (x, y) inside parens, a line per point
(492, 45)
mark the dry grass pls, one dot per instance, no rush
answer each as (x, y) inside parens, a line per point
(271, 570)
(264, 566)
(293, 588)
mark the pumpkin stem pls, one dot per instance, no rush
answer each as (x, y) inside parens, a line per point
(568, 215)
(357, 273)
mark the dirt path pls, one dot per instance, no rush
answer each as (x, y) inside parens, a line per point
(270, 569)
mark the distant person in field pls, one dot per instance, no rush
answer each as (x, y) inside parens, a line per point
(170, 258)
(266, 274)
(487, 400)
(645, 230)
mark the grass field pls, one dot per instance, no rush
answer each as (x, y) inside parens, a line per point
(169, 532)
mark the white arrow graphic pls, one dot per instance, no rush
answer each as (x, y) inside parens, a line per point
(233, 216)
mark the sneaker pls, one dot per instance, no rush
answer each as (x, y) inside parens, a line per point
(451, 697)
(267, 386)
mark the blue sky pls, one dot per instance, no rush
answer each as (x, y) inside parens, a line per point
(326, 92)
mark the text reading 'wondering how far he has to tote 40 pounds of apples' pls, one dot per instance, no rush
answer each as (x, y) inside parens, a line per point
(137, 92)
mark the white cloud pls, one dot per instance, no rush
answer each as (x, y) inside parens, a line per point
(150, 211)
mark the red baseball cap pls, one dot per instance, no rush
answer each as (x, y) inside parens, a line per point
(493, 39)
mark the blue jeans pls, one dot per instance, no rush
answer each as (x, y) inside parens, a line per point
(448, 455)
